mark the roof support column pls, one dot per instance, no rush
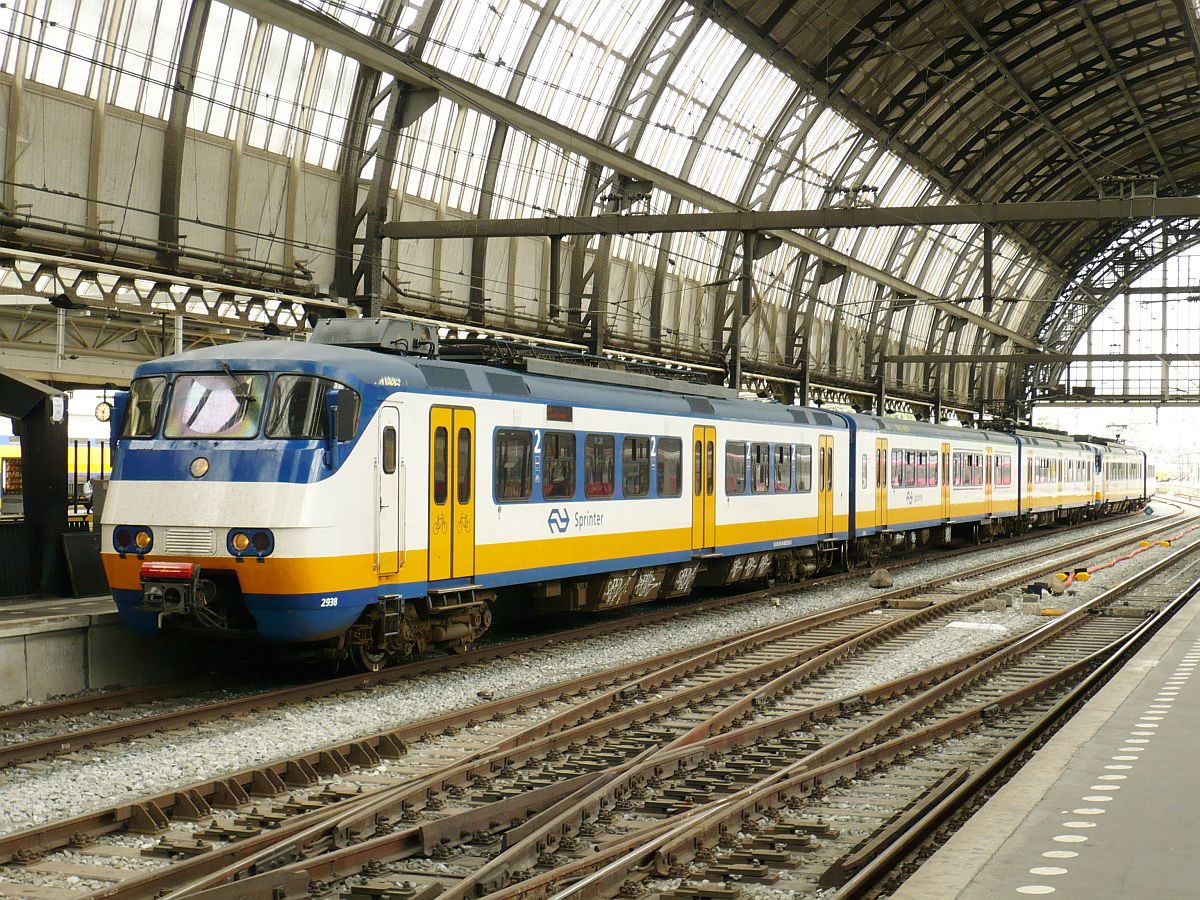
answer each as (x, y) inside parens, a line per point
(387, 106)
(742, 311)
(491, 170)
(16, 96)
(173, 140)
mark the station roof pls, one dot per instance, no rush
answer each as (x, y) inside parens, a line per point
(744, 104)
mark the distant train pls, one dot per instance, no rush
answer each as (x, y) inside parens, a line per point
(376, 504)
(86, 459)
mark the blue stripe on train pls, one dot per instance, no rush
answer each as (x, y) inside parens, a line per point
(302, 617)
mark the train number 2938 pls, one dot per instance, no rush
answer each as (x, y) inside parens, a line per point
(328, 601)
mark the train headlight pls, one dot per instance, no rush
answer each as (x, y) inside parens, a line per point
(256, 542)
(132, 539)
(199, 467)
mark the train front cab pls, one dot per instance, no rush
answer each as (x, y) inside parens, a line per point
(217, 519)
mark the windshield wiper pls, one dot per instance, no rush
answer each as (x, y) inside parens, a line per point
(241, 390)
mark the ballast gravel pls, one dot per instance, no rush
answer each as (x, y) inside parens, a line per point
(60, 788)
(939, 646)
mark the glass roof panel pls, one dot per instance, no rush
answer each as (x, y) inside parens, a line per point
(685, 101)
(570, 78)
(327, 126)
(739, 130)
(536, 178)
(481, 40)
(216, 90)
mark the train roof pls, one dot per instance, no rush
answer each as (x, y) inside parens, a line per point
(869, 422)
(374, 372)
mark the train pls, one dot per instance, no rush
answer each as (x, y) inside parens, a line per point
(365, 497)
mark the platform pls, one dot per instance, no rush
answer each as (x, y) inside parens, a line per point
(53, 647)
(1107, 808)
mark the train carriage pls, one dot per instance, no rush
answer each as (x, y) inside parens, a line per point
(1120, 481)
(915, 476)
(1058, 476)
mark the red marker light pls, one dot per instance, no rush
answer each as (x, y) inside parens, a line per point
(173, 570)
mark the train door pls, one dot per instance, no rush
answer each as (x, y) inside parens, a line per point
(881, 482)
(390, 490)
(987, 483)
(704, 487)
(945, 481)
(451, 493)
(825, 485)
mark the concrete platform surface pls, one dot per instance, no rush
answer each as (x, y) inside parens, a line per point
(49, 648)
(25, 615)
(1108, 808)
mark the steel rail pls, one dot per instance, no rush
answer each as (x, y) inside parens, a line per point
(112, 732)
(669, 849)
(363, 820)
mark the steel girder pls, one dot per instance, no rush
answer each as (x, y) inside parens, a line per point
(663, 44)
(491, 170)
(1010, 24)
(316, 26)
(1002, 68)
(814, 79)
(1123, 85)
(173, 140)
(84, 322)
(379, 107)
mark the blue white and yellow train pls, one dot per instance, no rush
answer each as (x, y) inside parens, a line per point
(374, 504)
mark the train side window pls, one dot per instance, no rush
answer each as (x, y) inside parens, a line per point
(297, 408)
(710, 462)
(558, 465)
(735, 467)
(635, 467)
(669, 477)
(145, 407)
(440, 463)
(514, 464)
(389, 449)
(698, 475)
(897, 468)
(804, 468)
(999, 462)
(863, 480)
(760, 468)
(599, 466)
(463, 461)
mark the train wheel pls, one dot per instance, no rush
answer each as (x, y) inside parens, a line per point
(364, 659)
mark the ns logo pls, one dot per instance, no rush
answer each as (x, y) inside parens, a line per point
(558, 521)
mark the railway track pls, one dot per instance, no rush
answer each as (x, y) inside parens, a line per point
(621, 717)
(823, 799)
(35, 732)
